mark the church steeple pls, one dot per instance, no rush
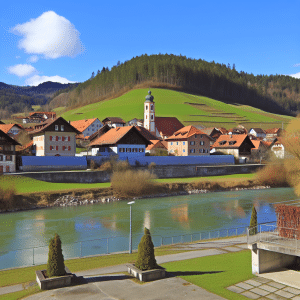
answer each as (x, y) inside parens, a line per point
(149, 113)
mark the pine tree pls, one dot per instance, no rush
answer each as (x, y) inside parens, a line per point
(146, 258)
(55, 265)
(253, 222)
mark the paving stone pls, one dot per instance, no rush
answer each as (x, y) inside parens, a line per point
(277, 285)
(284, 294)
(275, 297)
(292, 290)
(233, 249)
(253, 282)
(268, 288)
(262, 279)
(296, 298)
(250, 295)
(260, 292)
(235, 289)
(244, 286)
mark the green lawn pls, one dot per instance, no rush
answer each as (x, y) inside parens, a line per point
(24, 185)
(170, 103)
(215, 273)
(233, 177)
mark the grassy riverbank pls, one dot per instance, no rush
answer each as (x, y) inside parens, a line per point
(20, 192)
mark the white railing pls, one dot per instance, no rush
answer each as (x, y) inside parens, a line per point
(272, 234)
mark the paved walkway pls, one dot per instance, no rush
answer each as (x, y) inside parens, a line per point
(96, 284)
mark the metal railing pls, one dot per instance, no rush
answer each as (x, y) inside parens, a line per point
(39, 255)
(272, 234)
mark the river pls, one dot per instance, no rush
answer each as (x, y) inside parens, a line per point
(168, 216)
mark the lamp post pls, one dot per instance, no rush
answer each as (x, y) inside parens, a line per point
(130, 233)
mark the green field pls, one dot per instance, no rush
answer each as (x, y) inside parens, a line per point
(189, 109)
(24, 185)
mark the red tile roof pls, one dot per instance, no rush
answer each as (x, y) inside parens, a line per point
(7, 127)
(272, 130)
(156, 144)
(167, 125)
(146, 133)
(184, 133)
(230, 141)
(82, 125)
(114, 120)
(114, 135)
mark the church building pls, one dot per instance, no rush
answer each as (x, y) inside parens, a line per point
(161, 127)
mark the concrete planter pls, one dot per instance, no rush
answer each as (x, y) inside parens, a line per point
(53, 282)
(146, 275)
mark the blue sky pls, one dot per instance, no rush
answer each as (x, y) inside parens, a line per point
(66, 41)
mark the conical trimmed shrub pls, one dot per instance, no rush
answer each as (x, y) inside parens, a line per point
(253, 222)
(146, 258)
(55, 265)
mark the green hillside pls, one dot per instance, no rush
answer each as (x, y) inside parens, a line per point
(189, 109)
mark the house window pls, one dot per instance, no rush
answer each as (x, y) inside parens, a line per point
(128, 149)
(192, 143)
(201, 136)
(59, 138)
(195, 136)
(171, 143)
(192, 151)
(201, 143)
(152, 117)
(141, 149)
(61, 127)
(1, 157)
(183, 143)
(8, 158)
(176, 143)
(69, 148)
(122, 149)
(50, 137)
(56, 127)
(183, 150)
(146, 107)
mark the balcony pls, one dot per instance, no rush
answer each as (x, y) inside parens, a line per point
(273, 238)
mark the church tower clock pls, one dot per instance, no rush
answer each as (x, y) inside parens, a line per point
(149, 113)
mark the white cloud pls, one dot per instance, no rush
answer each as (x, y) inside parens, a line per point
(33, 59)
(297, 75)
(50, 35)
(21, 70)
(36, 80)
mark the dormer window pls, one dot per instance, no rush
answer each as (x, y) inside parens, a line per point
(222, 143)
(232, 142)
(56, 127)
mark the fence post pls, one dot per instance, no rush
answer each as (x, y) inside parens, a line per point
(33, 256)
(107, 245)
(236, 231)
(191, 238)
(162, 241)
(172, 240)
(80, 249)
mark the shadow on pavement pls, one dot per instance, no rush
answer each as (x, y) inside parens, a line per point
(85, 280)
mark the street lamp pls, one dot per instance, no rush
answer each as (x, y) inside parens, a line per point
(130, 233)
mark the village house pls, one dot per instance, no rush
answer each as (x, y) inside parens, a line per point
(238, 145)
(278, 148)
(88, 126)
(157, 147)
(273, 133)
(11, 129)
(258, 133)
(114, 122)
(39, 116)
(54, 138)
(122, 141)
(189, 141)
(136, 122)
(7, 153)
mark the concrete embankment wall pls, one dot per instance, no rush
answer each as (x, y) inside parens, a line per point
(160, 172)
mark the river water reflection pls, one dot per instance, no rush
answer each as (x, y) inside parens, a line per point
(163, 216)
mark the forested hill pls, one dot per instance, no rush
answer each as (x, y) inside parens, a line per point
(274, 93)
(15, 99)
